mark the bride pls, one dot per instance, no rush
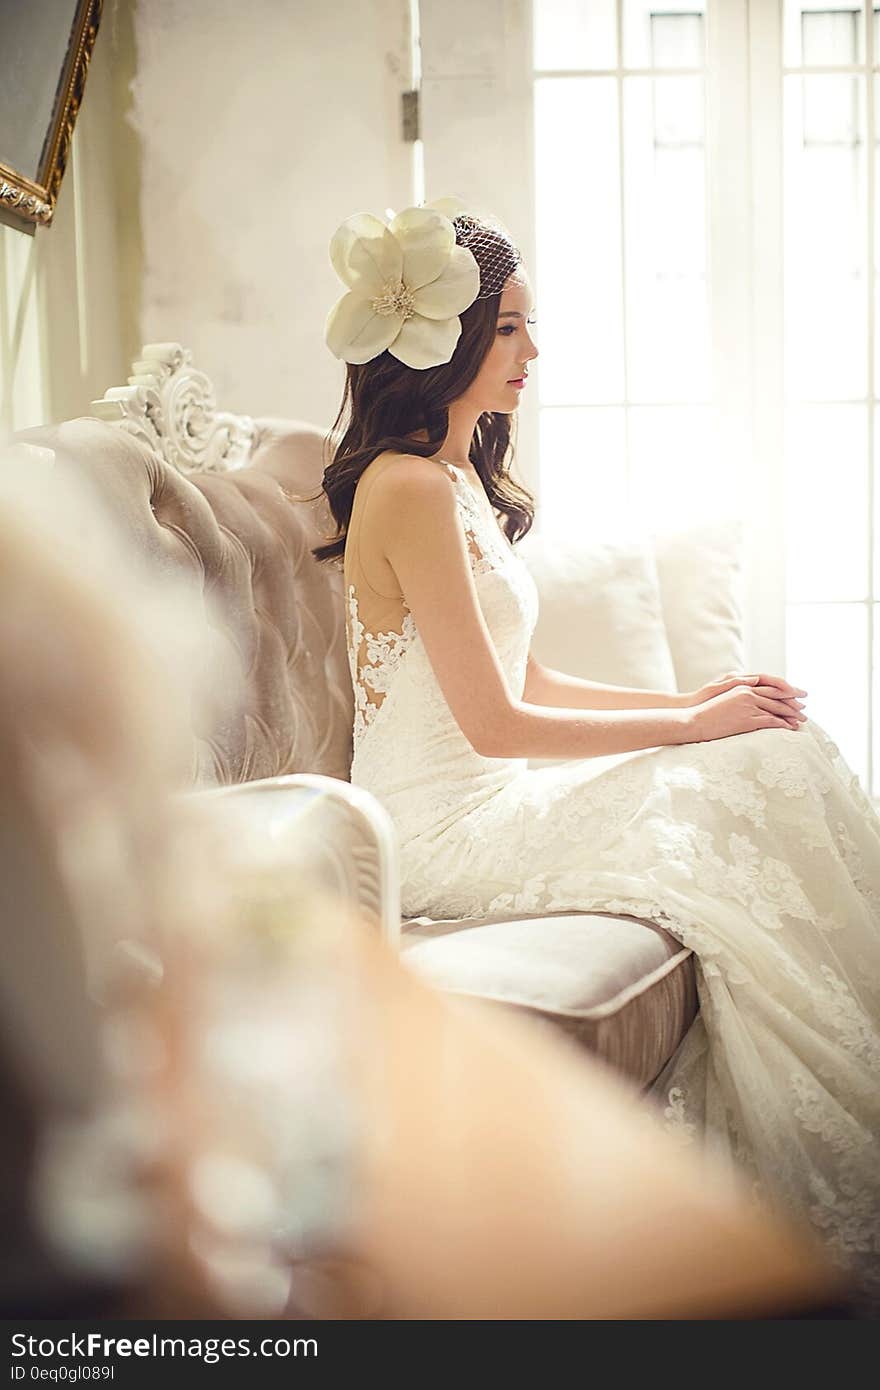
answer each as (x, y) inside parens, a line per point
(727, 816)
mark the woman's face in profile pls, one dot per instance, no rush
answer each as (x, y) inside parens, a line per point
(503, 375)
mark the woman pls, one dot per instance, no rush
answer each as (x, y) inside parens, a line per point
(729, 817)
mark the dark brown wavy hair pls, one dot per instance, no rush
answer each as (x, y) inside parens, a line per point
(385, 403)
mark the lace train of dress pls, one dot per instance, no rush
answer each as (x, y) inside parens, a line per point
(760, 851)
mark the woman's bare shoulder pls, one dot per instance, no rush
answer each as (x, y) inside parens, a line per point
(400, 466)
(406, 493)
(404, 478)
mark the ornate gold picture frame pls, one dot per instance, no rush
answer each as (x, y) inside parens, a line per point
(28, 195)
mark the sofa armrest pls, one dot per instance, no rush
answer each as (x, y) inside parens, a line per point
(341, 835)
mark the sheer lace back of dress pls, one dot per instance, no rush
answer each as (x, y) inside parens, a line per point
(373, 659)
(380, 626)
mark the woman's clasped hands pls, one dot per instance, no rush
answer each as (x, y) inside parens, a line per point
(740, 703)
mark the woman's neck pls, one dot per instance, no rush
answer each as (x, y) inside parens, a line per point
(456, 446)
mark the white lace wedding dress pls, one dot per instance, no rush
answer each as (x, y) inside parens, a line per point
(759, 851)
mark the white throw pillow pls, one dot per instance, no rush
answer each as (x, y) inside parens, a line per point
(600, 616)
(700, 572)
(660, 612)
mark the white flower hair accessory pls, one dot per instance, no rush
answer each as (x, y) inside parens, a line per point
(408, 282)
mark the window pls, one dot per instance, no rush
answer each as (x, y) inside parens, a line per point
(620, 164)
(709, 347)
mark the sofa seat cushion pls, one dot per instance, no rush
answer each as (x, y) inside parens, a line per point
(621, 987)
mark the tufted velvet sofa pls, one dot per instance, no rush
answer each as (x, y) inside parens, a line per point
(222, 495)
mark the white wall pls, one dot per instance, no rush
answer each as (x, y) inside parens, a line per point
(212, 160)
(69, 293)
(262, 126)
(22, 376)
(477, 126)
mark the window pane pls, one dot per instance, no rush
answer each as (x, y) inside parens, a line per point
(583, 471)
(675, 470)
(577, 195)
(823, 33)
(826, 502)
(825, 222)
(827, 655)
(570, 34)
(666, 301)
(672, 38)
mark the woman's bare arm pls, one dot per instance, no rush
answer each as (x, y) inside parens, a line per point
(544, 685)
(412, 505)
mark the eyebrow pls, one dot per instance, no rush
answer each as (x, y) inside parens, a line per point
(510, 314)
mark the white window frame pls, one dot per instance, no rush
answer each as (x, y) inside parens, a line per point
(745, 191)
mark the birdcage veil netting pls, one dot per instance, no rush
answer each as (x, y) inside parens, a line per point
(492, 247)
